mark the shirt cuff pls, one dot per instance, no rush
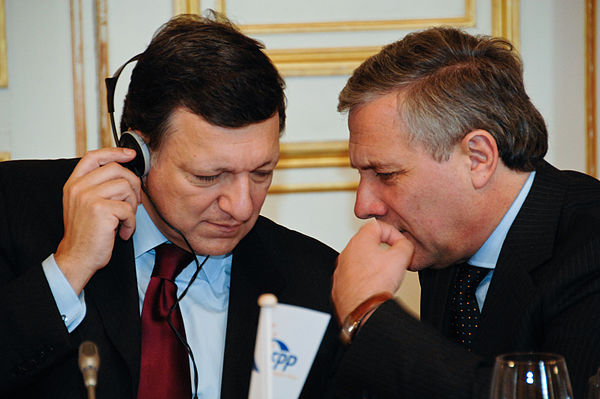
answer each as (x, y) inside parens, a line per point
(71, 307)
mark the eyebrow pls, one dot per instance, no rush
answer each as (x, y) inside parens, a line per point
(222, 170)
(373, 165)
(272, 161)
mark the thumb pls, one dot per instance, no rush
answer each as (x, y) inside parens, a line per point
(399, 245)
(402, 246)
(388, 234)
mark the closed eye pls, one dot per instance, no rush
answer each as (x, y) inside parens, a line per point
(262, 175)
(386, 176)
(207, 179)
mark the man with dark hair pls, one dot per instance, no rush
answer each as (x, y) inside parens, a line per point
(84, 242)
(450, 154)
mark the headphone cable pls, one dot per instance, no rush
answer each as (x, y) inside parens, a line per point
(199, 266)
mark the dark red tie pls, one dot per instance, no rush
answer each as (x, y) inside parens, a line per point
(165, 370)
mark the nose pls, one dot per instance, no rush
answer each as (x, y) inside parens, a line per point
(368, 204)
(236, 199)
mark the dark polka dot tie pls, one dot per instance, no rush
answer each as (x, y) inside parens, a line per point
(464, 311)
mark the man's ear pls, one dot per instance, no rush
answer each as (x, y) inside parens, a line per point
(142, 135)
(482, 150)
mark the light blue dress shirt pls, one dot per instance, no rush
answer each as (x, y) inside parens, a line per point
(487, 255)
(204, 308)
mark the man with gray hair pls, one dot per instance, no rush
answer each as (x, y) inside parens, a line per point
(450, 152)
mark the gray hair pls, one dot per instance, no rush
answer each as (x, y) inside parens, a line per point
(449, 84)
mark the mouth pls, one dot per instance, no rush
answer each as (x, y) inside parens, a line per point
(226, 228)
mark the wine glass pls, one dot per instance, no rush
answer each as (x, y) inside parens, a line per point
(593, 388)
(530, 375)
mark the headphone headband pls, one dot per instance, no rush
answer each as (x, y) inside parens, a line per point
(111, 84)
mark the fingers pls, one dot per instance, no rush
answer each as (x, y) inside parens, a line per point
(95, 159)
(99, 176)
(116, 189)
(96, 168)
(125, 218)
(400, 246)
(389, 234)
(127, 223)
(376, 232)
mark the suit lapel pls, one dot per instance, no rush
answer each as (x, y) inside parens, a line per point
(252, 274)
(113, 292)
(529, 243)
(435, 287)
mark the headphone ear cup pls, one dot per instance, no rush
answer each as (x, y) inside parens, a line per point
(140, 165)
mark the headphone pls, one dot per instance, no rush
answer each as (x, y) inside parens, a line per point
(140, 165)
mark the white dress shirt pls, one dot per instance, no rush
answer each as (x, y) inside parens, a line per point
(488, 254)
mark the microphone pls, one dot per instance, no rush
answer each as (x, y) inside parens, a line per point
(89, 362)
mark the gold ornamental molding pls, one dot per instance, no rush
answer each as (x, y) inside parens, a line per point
(187, 7)
(343, 26)
(335, 60)
(319, 154)
(320, 61)
(328, 61)
(3, 57)
(329, 154)
(106, 138)
(312, 187)
(591, 140)
(78, 77)
(468, 19)
(506, 20)
(313, 154)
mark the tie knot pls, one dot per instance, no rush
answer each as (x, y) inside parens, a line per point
(170, 261)
(468, 276)
(464, 309)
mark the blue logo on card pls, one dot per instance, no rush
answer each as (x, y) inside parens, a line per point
(282, 357)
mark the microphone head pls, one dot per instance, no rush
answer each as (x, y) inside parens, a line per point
(89, 362)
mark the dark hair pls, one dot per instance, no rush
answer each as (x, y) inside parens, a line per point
(208, 67)
(450, 83)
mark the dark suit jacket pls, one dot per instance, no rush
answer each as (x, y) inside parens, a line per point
(38, 357)
(544, 296)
